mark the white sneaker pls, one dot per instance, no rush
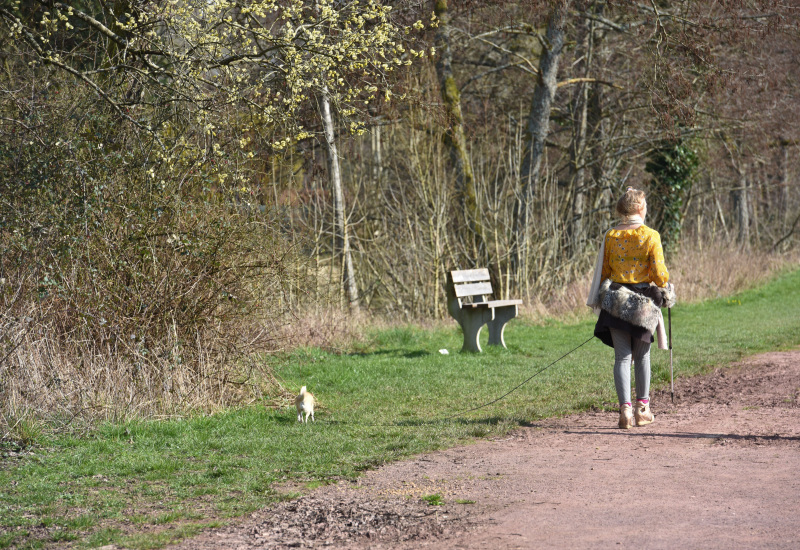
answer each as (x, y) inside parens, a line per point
(643, 414)
(625, 417)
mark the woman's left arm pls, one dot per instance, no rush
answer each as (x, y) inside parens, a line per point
(658, 268)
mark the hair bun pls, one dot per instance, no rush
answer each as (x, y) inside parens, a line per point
(630, 202)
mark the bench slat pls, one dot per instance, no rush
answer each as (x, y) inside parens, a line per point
(494, 303)
(473, 289)
(470, 275)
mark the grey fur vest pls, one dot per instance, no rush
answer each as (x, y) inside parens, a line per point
(639, 309)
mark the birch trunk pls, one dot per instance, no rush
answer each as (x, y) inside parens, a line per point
(342, 241)
(536, 133)
(377, 156)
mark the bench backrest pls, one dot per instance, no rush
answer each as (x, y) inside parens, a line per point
(472, 283)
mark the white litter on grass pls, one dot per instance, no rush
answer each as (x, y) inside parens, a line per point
(444, 352)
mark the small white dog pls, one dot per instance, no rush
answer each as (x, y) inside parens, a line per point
(304, 403)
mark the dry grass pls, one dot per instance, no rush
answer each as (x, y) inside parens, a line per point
(68, 386)
(50, 382)
(566, 303)
(47, 381)
(698, 274)
(327, 327)
(717, 271)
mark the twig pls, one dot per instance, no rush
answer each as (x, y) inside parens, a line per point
(789, 234)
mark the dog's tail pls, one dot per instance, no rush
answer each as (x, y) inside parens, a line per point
(303, 390)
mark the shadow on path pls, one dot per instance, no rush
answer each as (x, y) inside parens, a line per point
(684, 435)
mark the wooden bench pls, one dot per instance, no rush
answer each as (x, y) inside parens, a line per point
(468, 291)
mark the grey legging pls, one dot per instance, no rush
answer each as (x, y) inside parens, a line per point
(622, 366)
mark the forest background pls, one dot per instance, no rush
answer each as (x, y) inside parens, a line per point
(187, 187)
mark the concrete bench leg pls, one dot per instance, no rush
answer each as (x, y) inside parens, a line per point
(502, 315)
(471, 324)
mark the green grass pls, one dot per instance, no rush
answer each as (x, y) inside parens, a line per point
(434, 499)
(145, 484)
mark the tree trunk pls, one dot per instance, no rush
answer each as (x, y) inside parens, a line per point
(377, 156)
(741, 207)
(601, 197)
(719, 212)
(580, 107)
(342, 241)
(454, 137)
(784, 187)
(536, 133)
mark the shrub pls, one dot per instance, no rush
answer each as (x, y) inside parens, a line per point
(129, 284)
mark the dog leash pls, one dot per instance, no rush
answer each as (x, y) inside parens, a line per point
(518, 386)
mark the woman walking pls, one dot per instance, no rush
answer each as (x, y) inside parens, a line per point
(630, 286)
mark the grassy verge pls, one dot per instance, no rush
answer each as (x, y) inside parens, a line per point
(144, 484)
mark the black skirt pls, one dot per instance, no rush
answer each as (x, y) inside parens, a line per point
(607, 321)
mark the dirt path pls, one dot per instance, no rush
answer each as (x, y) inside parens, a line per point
(719, 469)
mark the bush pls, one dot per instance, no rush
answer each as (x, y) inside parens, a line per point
(129, 284)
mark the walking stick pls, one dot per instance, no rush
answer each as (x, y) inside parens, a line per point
(671, 379)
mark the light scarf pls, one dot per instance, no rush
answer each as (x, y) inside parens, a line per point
(633, 219)
(593, 299)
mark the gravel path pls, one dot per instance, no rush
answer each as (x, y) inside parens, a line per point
(719, 469)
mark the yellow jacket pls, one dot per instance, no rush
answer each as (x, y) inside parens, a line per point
(634, 256)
